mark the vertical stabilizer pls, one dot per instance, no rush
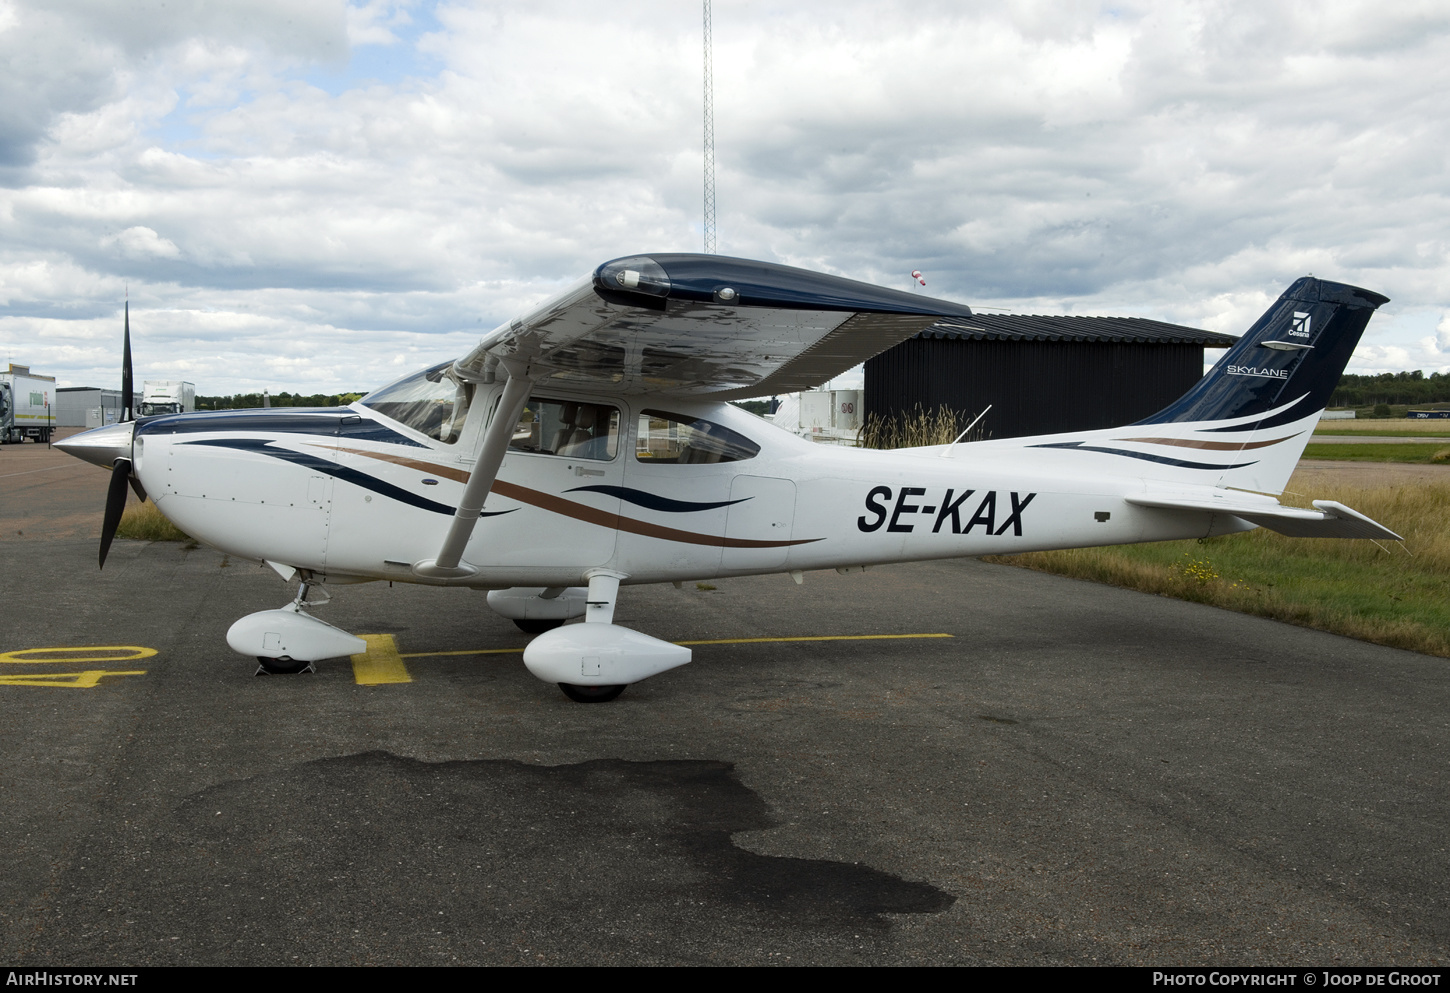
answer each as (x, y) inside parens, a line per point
(1245, 424)
(1284, 367)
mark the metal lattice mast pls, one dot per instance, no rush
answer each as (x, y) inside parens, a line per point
(709, 141)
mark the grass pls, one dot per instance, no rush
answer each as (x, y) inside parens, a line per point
(1353, 588)
(145, 523)
(1351, 452)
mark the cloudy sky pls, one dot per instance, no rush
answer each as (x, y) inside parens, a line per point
(319, 195)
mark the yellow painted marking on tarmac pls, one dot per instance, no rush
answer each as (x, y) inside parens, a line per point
(718, 641)
(132, 653)
(75, 680)
(467, 651)
(381, 663)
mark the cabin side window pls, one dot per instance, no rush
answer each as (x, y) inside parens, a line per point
(679, 439)
(566, 428)
(433, 402)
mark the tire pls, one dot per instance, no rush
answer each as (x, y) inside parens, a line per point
(534, 626)
(591, 694)
(282, 666)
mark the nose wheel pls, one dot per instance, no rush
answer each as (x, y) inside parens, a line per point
(285, 666)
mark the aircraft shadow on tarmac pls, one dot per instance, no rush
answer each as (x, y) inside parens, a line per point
(377, 858)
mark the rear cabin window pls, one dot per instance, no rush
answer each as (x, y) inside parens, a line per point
(569, 429)
(432, 402)
(679, 439)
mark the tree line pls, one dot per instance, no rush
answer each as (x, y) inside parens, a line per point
(240, 401)
(1407, 388)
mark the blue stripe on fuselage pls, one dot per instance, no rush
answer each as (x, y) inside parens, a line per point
(263, 446)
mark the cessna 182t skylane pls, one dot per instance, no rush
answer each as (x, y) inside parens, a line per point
(588, 445)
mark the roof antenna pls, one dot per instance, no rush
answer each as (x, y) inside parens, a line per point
(710, 248)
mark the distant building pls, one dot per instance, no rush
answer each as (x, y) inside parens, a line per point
(73, 404)
(1040, 374)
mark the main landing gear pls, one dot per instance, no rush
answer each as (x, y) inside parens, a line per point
(593, 662)
(591, 694)
(532, 626)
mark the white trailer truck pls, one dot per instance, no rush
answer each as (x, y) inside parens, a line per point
(25, 400)
(166, 396)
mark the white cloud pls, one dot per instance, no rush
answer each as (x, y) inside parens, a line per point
(142, 243)
(1184, 162)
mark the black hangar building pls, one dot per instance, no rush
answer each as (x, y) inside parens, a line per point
(1040, 374)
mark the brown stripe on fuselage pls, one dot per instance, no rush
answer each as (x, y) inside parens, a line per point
(447, 472)
(1212, 446)
(578, 511)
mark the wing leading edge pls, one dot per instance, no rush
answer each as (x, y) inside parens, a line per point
(705, 326)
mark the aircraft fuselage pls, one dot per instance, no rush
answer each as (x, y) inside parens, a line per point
(351, 495)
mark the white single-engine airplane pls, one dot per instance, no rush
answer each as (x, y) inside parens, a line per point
(588, 445)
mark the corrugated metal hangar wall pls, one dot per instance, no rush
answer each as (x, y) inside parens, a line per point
(1040, 374)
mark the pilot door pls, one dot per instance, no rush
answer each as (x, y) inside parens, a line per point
(557, 498)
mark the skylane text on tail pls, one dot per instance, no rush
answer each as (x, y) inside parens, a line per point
(588, 445)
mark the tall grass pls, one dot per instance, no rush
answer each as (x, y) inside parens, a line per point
(915, 429)
(145, 523)
(1386, 594)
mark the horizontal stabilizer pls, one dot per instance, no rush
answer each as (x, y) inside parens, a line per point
(1329, 520)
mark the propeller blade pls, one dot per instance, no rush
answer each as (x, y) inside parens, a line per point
(115, 504)
(138, 489)
(127, 397)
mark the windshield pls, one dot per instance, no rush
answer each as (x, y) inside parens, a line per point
(432, 402)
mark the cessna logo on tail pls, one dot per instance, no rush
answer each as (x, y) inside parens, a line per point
(949, 509)
(1253, 370)
(1300, 327)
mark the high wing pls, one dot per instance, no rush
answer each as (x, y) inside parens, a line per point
(704, 326)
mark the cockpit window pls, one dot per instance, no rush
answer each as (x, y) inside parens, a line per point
(679, 439)
(433, 402)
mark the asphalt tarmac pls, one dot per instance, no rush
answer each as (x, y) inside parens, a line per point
(1077, 775)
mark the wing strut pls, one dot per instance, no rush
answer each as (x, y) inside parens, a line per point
(496, 440)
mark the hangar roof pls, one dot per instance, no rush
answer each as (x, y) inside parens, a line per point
(1032, 327)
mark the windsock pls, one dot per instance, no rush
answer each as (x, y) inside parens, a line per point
(916, 275)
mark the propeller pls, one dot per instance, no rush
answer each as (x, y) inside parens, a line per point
(121, 468)
(127, 393)
(115, 504)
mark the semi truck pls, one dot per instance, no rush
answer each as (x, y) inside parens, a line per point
(25, 400)
(166, 396)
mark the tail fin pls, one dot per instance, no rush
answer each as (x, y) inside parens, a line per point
(1245, 424)
(1286, 366)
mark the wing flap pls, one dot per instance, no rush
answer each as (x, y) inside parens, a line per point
(1328, 520)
